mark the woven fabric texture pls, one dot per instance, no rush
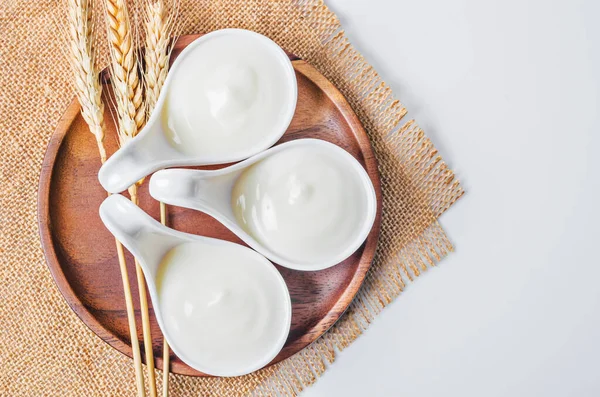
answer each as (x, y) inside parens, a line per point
(45, 350)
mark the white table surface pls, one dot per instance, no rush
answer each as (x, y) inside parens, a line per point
(509, 93)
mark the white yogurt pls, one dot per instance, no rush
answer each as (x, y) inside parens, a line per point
(306, 203)
(230, 92)
(222, 307)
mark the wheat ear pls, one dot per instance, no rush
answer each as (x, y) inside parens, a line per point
(126, 84)
(156, 55)
(87, 82)
(157, 52)
(131, 116)
(89, 93)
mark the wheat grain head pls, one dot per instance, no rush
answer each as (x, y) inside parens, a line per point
(158, 49)
(124, 66)
(87, 81)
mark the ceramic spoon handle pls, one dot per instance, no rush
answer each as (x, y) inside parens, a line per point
(141, 156)
(208, 191)
(143, 236)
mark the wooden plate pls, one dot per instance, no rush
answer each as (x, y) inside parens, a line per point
(81, 253)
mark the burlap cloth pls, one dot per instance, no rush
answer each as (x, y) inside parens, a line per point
(45, 350)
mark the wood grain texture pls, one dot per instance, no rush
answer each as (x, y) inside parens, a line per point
(80, 251)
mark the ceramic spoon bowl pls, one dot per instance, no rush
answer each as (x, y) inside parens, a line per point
(159, 144)
(211, 192)
(150, 242)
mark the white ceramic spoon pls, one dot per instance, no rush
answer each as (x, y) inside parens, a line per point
(212, 343)
(221, 97)
(211, 192)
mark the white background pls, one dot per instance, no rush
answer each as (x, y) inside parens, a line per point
(509, 93)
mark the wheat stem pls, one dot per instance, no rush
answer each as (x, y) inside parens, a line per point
(89, 93)
(163, 220)
(144, 311)
(135, 345)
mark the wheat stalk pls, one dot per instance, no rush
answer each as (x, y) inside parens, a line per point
(163, 220)
(128, 92)
(156, 55)
(89, 92)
